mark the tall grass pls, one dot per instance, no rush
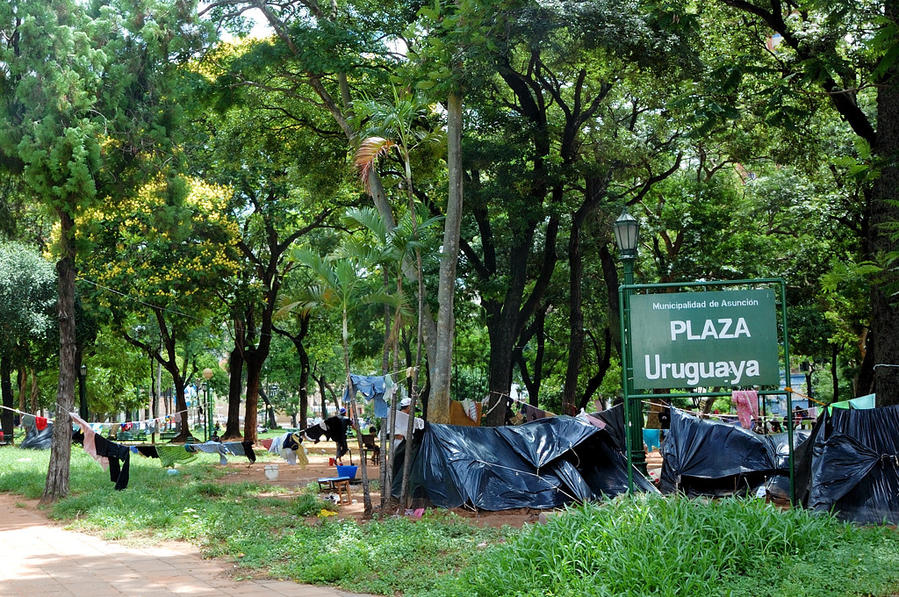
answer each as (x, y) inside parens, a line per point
(672, 546)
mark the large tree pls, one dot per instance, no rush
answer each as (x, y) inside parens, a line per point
(846, 51)
(327, 56)
(563, 108)
(27, 299)
(85, 105)
(157, 259)
(286, 178)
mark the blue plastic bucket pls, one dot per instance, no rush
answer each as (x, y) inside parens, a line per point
(346, 471)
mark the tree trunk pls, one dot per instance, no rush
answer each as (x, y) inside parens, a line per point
(181, 406)
(269, 409)
(535, 330)
(21, 385)
(385, 350)
(57, 485)
(34, 388)
(254, 367)
(603, 360)
(235, 384)
(6, 416)
(835, 380)
(502, 337)
(305, 368)
(441, 366)
(321, 390)
(304, 388)
(884, 213)
(366, 492)
(304, 372)
(576, 313)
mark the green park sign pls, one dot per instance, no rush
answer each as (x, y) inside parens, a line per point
(704, 339)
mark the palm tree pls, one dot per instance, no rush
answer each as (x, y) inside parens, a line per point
(340, 285)
(391, 247)
(391, 130)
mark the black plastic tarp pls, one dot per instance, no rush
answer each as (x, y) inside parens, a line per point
(37, 440)
(704, 457)
(855, 465)
(543, 464)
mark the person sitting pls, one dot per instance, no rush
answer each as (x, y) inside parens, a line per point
(405, 406)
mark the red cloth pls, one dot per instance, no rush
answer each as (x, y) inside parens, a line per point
(266, 443)
(40, 423)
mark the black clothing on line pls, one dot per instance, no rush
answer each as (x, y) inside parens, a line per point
(115, 452)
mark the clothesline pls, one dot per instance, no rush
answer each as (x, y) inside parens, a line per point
(512, 398)
(791, 390)
(692, 412)
(168, 417)
(762, 418)
(103, 424)
(17, 411)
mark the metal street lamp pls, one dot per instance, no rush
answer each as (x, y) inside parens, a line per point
(207, 375)
(627, 231)
(82, 397)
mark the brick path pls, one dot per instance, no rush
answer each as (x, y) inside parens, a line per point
(38, 559)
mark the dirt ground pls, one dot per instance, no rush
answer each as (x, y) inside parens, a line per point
(295, 478)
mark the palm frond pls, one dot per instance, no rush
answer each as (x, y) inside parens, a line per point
(367, 155)
(369, 218)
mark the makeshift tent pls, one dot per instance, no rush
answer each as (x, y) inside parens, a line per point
(34, 439)
(705, 457)
(855, 465)
(862, 402)
(543, 464)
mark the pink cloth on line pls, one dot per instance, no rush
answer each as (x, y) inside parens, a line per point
(747, 405)
(595, 422)
(90, 445)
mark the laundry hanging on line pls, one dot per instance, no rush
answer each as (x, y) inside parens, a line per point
(379, 388)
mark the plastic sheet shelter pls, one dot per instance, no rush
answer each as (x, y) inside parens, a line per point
(855, 465)
(703, 457)
(542, 464)
(37, 440)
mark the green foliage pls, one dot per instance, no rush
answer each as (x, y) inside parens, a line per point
(677, 546)
(309, 504)
(27, 297)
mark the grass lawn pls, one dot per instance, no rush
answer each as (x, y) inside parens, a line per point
(664, 546)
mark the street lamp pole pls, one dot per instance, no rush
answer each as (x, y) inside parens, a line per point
(207, 375)
(82, 397)
(626, 236)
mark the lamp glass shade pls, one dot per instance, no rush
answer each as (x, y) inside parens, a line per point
(626, 230)
(83, 370)
(207, 373)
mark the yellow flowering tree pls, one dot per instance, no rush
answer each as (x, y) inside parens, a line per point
(155, 260)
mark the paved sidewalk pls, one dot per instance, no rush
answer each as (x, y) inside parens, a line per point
(38, 558)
